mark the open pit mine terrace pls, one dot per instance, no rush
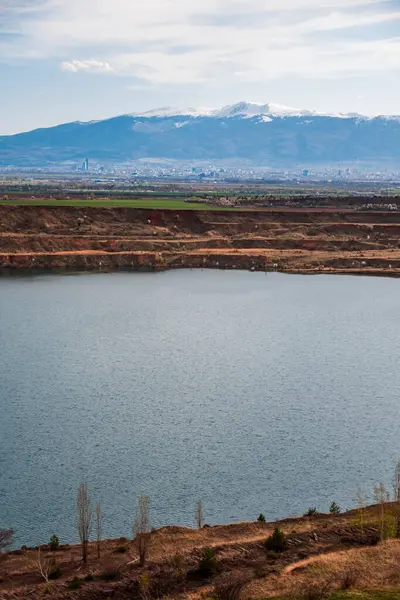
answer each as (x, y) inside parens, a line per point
(288, 240)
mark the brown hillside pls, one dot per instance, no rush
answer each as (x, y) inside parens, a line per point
(306, 241)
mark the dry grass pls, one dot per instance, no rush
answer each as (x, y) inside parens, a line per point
(363, 568)
(238, 548)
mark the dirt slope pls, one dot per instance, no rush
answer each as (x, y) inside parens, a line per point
(122, 238)
(175, 553)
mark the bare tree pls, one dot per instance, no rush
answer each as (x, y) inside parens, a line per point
(396, 486)
(99, 528)
(84, 518)
(361, 505)
(44, 565)
(141, 529)
(396, 482)
(6, 538)
(199, 514)
(381, 497)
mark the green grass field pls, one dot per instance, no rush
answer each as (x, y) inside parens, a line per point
(161, 203)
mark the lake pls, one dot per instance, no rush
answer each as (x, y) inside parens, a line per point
(252, 392)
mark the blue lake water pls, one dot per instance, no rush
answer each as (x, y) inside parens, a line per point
(253, 392)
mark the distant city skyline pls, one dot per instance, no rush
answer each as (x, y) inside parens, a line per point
(68, 60)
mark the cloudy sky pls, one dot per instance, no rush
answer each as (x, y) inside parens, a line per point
(65, 60)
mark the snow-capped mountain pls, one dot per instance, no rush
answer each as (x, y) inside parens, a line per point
(172, 111)
(265, 134)
(241, 109)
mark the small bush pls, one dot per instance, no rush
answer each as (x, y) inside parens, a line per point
(55, 572)
(276, 542)
(164, 582)
(178, 563)
(312, 590)
(144, 585)
(207, 563)
(54, 543)
(261, 573)
(230, 586)
(334, 509)
(88, 577)
(74, 584)
(109, 575)
(261, 518)
(349, 577)
(312, 511)
(121, 549)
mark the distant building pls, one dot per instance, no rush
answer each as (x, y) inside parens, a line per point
(306, 173)
(85, 165)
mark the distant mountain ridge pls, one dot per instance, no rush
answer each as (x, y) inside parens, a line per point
(264, 134)
(241, 109)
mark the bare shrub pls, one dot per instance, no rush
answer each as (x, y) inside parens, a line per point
(312, 590)
(397, 482)
(84, 518)
(349, 576)
(382, 497)
(165, 582)
(6, 538)
(230, 586)
(46, 566)
(396, 485)
(141, 529)
(199, 514)
(144, 586)
(361, 506)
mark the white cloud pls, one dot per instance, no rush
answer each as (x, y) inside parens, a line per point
(87, 66)
(139, 41)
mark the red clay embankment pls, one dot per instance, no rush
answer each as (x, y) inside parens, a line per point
(102, 239)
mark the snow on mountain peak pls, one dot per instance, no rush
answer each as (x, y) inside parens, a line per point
(243, 109)
(172, 111)
(252, 109)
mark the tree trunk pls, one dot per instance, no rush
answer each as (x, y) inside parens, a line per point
(84, 551)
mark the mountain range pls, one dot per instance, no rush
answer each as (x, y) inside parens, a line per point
(264, 134)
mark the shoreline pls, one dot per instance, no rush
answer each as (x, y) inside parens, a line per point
(175, 555)
(50, 264)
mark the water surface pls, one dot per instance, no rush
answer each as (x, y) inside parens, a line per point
(251, 392)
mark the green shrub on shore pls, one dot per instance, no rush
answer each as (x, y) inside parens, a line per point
(276, 542)
(261, 518)
(334, 508)
(207, 564)
(54, 543)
